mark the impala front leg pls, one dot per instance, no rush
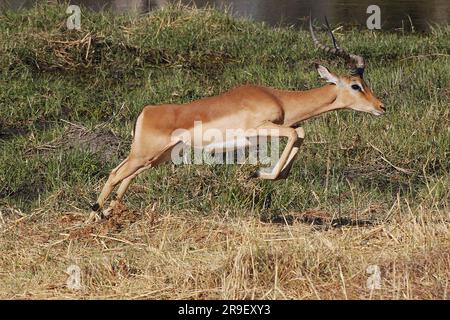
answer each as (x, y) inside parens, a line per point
(287, 167)
(274, 130)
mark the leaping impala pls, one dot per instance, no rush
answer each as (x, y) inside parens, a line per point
(248, 108)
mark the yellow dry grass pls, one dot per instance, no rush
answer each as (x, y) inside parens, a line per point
(155, 255)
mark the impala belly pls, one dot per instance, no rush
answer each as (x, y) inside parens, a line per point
(221, 134)
(228, 145)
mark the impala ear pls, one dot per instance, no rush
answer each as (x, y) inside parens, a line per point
(326, 75)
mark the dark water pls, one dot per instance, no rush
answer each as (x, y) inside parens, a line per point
(416, 15)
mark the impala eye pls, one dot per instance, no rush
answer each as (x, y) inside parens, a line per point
(356, 87)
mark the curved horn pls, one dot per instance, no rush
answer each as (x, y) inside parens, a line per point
(356, 61)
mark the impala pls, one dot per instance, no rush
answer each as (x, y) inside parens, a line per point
(250, 108)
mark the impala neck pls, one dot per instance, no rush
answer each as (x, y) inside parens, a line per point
(302, 105)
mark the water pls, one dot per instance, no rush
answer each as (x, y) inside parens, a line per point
(408, 15)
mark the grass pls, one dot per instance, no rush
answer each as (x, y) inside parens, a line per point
(364, 190)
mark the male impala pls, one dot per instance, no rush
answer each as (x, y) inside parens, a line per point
(263, 110)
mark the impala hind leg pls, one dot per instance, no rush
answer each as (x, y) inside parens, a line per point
(123, 187)
(161, 158)
(125, 173)
(122, 171)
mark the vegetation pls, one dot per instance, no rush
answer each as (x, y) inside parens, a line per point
(364, 190)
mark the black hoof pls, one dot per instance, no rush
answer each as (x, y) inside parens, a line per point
(254, 175)
(95, 207)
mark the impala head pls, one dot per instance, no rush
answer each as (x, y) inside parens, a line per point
(353, 91)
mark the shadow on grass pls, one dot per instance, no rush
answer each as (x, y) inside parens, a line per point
(314, 218)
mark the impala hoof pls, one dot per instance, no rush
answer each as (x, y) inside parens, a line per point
(95, 207)
(105, 213)
(93, 217)
(255, 174)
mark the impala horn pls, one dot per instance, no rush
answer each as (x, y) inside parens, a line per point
(356, 62)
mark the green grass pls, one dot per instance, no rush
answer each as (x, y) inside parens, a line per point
(104, 74)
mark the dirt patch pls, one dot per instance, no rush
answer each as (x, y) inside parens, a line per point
(100, 141)
(119, 219)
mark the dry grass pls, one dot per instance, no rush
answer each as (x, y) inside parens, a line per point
(185, 256)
